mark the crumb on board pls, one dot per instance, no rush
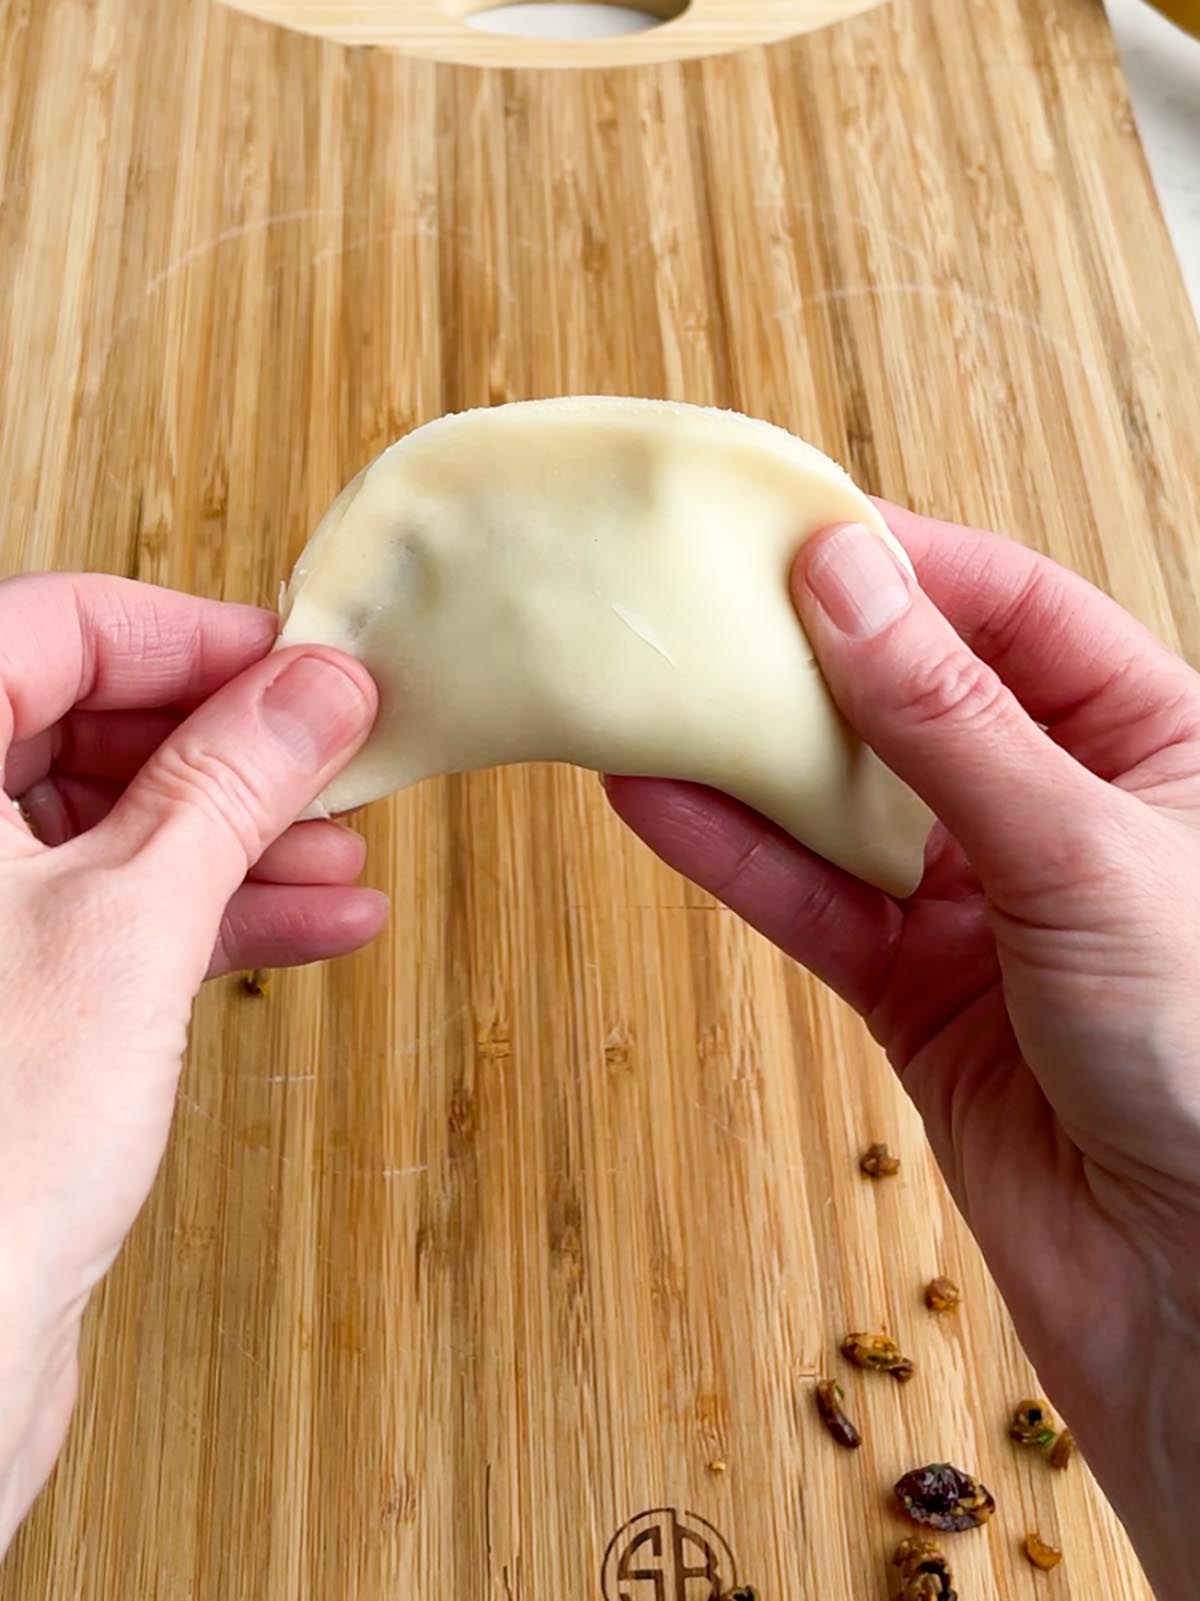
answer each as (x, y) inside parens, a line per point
(829, 1399)
(878, 1352)
(877, 1162)
(940, 1496)
(718, 1465)
(924, 1571)
(255, 983)
(1062, 1450)
(1041, 1555)
(942, 1294)
(1033, 1424)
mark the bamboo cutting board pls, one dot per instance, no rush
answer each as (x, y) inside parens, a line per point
(473, 1251)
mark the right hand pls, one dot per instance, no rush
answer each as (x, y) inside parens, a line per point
(1040, 995)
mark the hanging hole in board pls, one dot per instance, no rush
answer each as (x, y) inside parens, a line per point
(570, 19)
(524, 34)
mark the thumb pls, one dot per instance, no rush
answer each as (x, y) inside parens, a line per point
(1021, 807)
(239, 771)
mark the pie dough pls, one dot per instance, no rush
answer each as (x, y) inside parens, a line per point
(602, 581)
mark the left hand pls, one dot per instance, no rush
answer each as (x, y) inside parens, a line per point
(159, 751)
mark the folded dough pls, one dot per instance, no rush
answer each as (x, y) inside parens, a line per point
(602, 581)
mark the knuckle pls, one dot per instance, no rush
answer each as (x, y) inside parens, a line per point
(132, 628)
(223, 957)
(817, 906)
(225, 798)
(953, 689)
(731, 884)
(1016, 613)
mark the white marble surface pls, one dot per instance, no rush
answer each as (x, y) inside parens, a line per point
(558, 19)
(1163, 68)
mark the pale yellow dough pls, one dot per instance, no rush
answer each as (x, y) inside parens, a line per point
(604, 582)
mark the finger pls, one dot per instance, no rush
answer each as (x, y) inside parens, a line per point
(107, 643)
(110, 745)
(62, 806)
(269, 925)
(59, 809)
(948, 876)
(941, 718)
(204, 808)
(1106, 688)
(842, 930)
(312, 853)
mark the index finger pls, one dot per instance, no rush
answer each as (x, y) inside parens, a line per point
(841, 929)
(1105, 687)
(108, 643)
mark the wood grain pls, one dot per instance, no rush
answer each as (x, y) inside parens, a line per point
(470, 1249)
(439, 29)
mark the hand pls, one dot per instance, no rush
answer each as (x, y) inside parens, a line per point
(159, 754)
(1040, 994)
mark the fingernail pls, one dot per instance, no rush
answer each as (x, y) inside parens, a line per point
(45, 814)
(858, 583)
(315, 710)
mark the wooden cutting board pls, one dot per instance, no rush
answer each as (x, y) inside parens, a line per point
(472, 1250)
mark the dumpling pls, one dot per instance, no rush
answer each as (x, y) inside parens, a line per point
(602, 581)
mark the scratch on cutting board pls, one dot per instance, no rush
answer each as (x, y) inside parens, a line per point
(734, 1134)
(642, 630)
(424, 229)
(979, 303)
(227, 236)
(241, 1349)
(717, 1123)
(117, 484)
(436, 1033)
(465, 241)
(450, 1162)
(873, 230)
(189, 1105)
